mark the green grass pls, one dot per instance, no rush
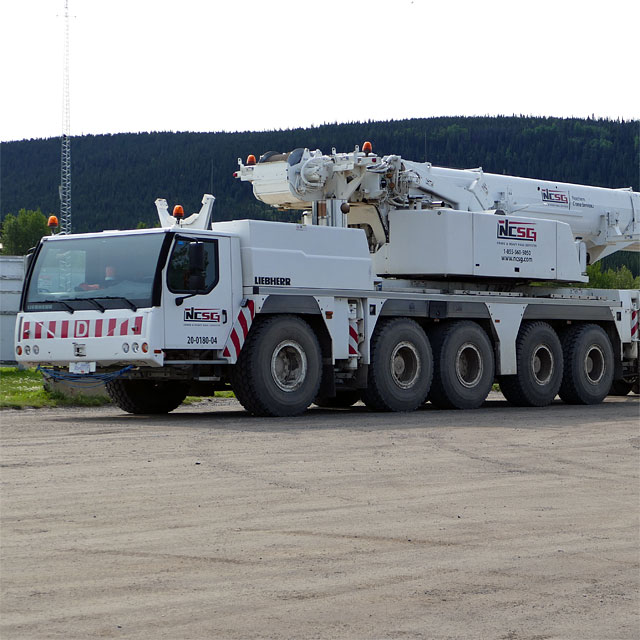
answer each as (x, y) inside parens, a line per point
(218, 394)
(225, 394)
(23, 388)
(20, 389)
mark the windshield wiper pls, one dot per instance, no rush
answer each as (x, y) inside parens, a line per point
(102, 308)
(96, 304)
(131, 305)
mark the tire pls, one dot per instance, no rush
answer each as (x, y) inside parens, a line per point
(147, 396)
(341, 400)
(463, 365)
(540, 365)
(588, 365)
(401, 367)
(279, 369)
(620, 388)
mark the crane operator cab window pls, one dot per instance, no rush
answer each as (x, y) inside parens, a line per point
(193, 265)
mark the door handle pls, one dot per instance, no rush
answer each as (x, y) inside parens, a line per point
(224, 316)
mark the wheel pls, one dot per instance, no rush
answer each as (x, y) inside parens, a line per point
(341, 400)
(588, 365)
(620, 388)
(401, 366)
(147, 396)
(279, 369)
(539, 360)
(463, 365)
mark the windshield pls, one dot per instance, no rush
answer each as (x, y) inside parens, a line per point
(118, 269)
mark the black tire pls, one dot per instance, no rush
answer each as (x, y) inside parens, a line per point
(588, 365)
(279, 369)
(401, 366)
(463, 365)
(540, 365)
(620, 388)
(147, 396)
(341, 400)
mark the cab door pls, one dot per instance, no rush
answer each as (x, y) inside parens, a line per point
(197, 293)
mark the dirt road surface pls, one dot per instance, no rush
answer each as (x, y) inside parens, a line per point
(499, 523)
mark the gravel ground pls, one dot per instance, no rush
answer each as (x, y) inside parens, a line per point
(498, 523)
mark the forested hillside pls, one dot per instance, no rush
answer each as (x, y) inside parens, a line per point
(116, 178)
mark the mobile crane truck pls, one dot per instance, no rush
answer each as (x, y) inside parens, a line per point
(403, 283)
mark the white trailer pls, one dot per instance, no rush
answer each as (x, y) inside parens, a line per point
(405, 283)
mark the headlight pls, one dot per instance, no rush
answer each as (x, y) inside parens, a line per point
(125, 347)
(27, 350)
(135, 347)
(36, 349)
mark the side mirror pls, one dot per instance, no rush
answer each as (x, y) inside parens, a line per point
(28, 259)
(196, 256)
(196, 266)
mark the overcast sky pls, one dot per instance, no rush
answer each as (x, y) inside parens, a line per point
(204, 65)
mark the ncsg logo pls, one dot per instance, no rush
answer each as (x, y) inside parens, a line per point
(202, 315)
(555, 197)
(517, 230)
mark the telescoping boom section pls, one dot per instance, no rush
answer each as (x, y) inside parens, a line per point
(400, 284)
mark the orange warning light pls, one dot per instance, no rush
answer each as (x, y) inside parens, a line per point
(251, 159)
(367, 148)
(52, 222)
(178, 211)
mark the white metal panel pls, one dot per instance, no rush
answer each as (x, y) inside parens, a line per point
(567, 255)
(292, 255)
(514, 247)
(427, 242)
(506, 320)
(56, 334)
(202, 321)
(11, 279)
(335, 312)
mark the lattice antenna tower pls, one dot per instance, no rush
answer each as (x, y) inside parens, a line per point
(65, 150)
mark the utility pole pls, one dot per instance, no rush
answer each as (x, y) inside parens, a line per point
(65, 151)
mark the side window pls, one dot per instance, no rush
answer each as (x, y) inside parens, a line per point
(193, 265)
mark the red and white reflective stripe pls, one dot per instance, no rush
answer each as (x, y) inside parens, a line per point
(99, 328)
(240, 330)
(353, 337)
(634, 324)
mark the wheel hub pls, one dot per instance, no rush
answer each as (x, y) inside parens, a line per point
(405, 365)
(594, 364)
(469, 366)
(289, 365)
(542, 364)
